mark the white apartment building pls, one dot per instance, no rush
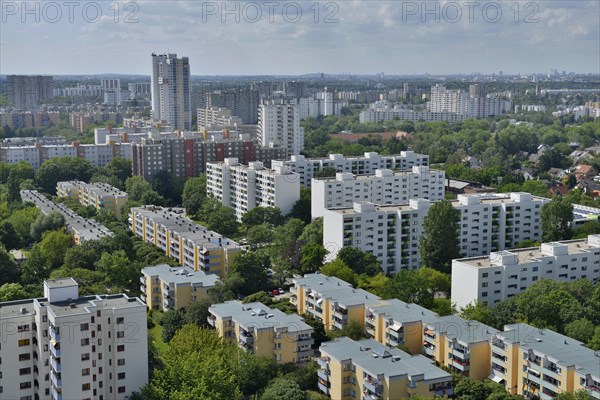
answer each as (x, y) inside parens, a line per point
(383, 111)
(279, 123)
(383, 187)
(472, 104)
(192, 245)
(217, 117)
(97, 343)
(171, 90)
(308, 168)
(503, 274)
(244, 187)
(488, 222)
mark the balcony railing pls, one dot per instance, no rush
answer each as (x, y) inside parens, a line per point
(211, 321)
(322, 363)
(373, 385)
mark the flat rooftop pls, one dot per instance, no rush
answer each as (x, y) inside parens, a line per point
(378, 359)
(455, 327)
(387, 174)
(86, 229)
(257, 315)
(174, 220)
(98, 188)
(60, 282)
(559, 348)
(401, 312)
(181, 275)
(81, 305)
(336, 289)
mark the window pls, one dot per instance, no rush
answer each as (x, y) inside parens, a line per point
(120, 320)
(121, 361)
(25, 385)
(24, 357)
(23, 328)
(85, 342)
(84, 327)
(120, 334)
(121, 347)
(121, 375)
(85, 386)
(85, 356)
(121, 389)
(23, 342)
(25, 371)
(85, 372)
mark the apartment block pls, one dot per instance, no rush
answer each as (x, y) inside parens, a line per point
(330, 300)
(26, 92)
(99, 195)
(279, 123)
(192, 245)
(366, 369)
(167, 288)
(458, 344)
(396, 323)
(244, 187)
(503, 274)
(383, 111)
(220, 117)
(383, 187)
(308, 168)
(185, 155)
(97, 343)
(171, 90)
(263, 331)
(488, 222)
(36, 154)
(540, 363)
(80, 228)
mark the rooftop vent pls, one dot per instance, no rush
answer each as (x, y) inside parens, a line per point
(23, 310)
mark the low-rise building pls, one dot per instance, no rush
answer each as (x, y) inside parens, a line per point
(101, 196)
(540, 363)
(97, 343)
(309, 168)
(80, 228)
(244, 187)
(171, 288)
(191, 244)
(330, 300)
(383, 187)
(488, 222)
(263, 331)
(366, 369)
(503, 274)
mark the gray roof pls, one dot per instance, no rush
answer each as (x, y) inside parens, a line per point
(258, 316)
(560, 349)
(181, 275)
(390, 362)
(401, 312)
(464, 331)
(60, 282)
(337, 290)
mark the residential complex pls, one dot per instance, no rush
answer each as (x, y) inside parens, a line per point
(186, 154)
(366, 369)
(488, 222)
(244, 187)
(171, 288)
(330, 300)
(217, 117)
(503, 274)
(171, 88)
(471, 104)
(279, 124)
(99, 195)
(36, 154)
(27, 119)
(384, 111)
(263, 331)
(192, 245)
(80, 228)
(242, 102)
(383, 187)
(309, 168)
(540, 363)
(26, 92)
(98, 344)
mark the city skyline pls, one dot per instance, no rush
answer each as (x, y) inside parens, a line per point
(368, 37)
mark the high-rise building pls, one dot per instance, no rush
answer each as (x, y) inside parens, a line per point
(171, 99)
(279, 123)
(98, 343)
(241, 102)
(26, 92)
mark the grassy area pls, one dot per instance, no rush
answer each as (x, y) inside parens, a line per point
(156, 333)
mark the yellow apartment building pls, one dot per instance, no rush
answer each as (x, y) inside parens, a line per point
(367, 370)
(263, 331)
(191, 244)
(166, 288)
(101, 196)
(330, 300)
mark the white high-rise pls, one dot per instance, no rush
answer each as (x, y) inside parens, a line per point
(279, 123)
(171, 94)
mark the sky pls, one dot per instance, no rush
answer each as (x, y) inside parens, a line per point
(299, 37)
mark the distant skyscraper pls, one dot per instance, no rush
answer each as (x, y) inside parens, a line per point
(279, 123)
(171, 99)
(26, 92)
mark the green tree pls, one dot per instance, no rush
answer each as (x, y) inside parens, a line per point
(122, 272)
(222, 220)
(9, 237)
(197, 313)
(301, 208)
(578, 395)
(313, 232)
(312, 257)
(36, 268)
(360, 262)
(57, 169)
(22, 220)
(9, 272)
(470, 389)
(440, 244)
(594, 342)
(438, 282)
(556, 219)
(339, 269)
(194, 192)
(283, 389)
(260, 234)
(262, 215)
(409, 287)
(168, 186)
(139, 190)
(171, 322)
(250, 273)
(13, 187)
(353, 329)
(46, 222)
(478, 312)
(580, 329)
(53, 246)
(13, 291)
(120, 168)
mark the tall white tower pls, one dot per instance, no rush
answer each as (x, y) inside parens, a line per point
(171, 94)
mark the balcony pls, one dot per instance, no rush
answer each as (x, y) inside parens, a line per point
(55, 352)
(143, 280)
(323, 388)
(56, 395)
(459, 364)
(443, 391)
(322, 363)
(246, 337)
(56, 381)
(373, 385)
(594, 391)
(211, 321)
(429, 349)
(323, 374)
(55, 364)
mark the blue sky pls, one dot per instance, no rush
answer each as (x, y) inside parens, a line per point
(357, 37)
